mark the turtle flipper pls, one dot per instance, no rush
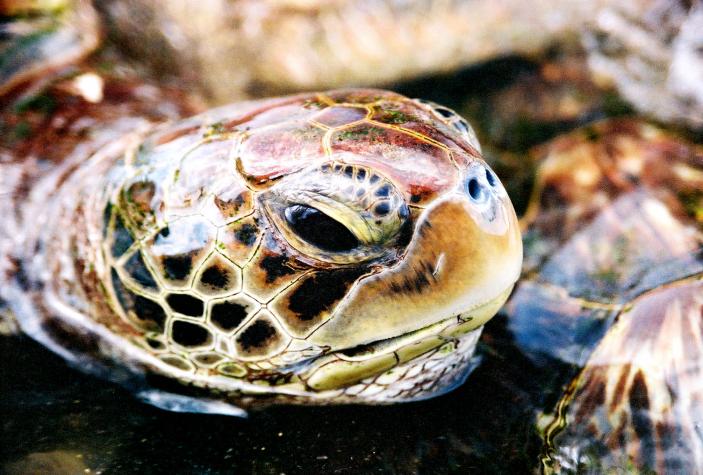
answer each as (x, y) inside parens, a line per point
(180, 403)
(639, 401)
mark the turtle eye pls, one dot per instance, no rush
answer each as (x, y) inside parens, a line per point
(338, 213)
(320, 230)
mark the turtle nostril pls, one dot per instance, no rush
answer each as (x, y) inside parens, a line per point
(475, 190)
(491, 178)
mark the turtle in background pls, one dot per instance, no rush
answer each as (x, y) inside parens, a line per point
(612, 286)
(226, 50)
(649, 50)
(335, 247)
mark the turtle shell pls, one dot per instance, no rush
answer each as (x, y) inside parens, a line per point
(334, 247)
(612, 287)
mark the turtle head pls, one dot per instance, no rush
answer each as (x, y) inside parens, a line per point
(420, 276)
(458, 256)
(313, 246)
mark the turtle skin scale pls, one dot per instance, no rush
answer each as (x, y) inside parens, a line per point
(345, 246)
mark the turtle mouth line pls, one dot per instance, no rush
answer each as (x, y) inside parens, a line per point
(349, 366)
(471, 319)
(372, 348)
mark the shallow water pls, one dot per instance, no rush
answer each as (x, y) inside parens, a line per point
(62, 416)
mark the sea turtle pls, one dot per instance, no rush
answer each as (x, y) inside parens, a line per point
(607, 311)
(612, 290)
(345, 246)
(648, 49)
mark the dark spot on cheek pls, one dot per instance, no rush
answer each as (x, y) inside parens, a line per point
(256, 336)
(189, 334)
(321, 291)
(155, 344)
(150, 314)
(177, 267)
(122, 239)
(276, 266)
(228, 315)
(138, 270)
(186, 304)
(417, 281)
(247, 234)
(215, 277)
(424, 228)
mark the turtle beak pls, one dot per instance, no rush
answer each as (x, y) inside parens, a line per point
(464, 258)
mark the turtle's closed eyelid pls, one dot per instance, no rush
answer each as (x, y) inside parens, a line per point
(318, 229)
(338, 212)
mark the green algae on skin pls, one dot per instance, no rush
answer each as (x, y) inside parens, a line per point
(218, 128)
(394, 117)
(372, 132)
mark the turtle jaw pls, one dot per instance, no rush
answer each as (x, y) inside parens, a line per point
(454, 265)
(346, 367)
